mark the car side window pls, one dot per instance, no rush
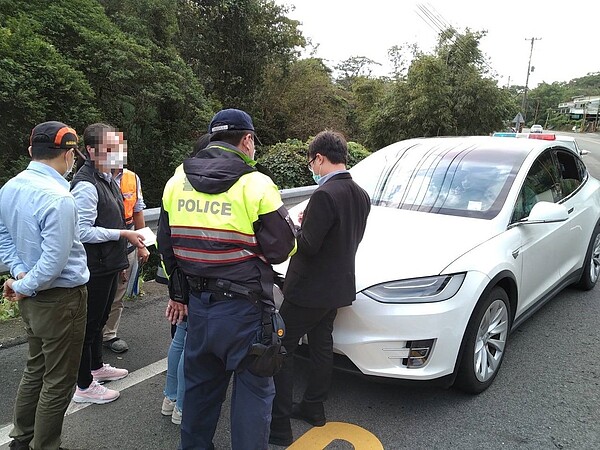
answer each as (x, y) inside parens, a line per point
(570, 173)
(541, 184)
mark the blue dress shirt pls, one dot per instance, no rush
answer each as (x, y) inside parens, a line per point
(86, 199)
(325, 178)
(39, 231)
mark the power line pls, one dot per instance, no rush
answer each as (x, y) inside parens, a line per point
(442, 24)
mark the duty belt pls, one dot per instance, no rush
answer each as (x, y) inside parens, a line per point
(225, 289)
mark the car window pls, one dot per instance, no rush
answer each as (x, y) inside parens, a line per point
(541, 184)
(569, 144)
(464, 182)
(571, 176)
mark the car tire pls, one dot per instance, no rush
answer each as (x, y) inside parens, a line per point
(484, 343)
(591, 267)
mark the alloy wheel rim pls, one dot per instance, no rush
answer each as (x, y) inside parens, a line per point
(491, 340)
(595, 262)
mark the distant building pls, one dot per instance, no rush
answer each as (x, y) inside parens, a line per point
(581, 107)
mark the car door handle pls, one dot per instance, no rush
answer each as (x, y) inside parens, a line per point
(570, 211)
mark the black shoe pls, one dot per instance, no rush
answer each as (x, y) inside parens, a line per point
(18, 445)
(281, 433)
(283, 441)
(312, 413)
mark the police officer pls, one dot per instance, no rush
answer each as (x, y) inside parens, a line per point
(222, 224)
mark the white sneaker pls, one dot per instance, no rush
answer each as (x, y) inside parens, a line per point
(167, 407)
(95, 393)
(109, 373)
(176, 417)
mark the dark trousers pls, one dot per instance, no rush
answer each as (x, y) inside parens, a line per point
(220, 333)
(101, 293)
(317, 323)
(55, 323)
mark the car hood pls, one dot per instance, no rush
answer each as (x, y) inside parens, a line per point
(400, 244)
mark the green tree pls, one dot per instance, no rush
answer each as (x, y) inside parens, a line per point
(400, 57)
(230, 43)
(155, 20)
(366, 95)
(544, 99)
(445, 93)
(301, 101)
(353, 68)
(37, 83)
(142, 88)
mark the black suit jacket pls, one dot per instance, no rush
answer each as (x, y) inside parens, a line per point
(321, 273)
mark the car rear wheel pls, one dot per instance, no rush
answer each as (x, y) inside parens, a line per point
(484, 343)
(591, 268)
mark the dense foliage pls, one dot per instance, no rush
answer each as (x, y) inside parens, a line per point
(159, 69)
(287, 161)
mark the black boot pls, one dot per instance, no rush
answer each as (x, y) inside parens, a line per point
(312, 413)
(281, 432)
(18, 445)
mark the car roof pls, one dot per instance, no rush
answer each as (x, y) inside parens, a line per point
(547, 136)
(461, 143)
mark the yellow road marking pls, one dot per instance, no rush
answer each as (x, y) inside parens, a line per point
(317, 438)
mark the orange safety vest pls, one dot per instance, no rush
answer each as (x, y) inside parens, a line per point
(129, 189)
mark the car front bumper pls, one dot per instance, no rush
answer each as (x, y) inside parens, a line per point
(377, 337)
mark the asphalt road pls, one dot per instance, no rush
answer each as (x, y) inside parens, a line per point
(546, 395)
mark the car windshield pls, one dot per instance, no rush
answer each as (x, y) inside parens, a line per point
(469, 182)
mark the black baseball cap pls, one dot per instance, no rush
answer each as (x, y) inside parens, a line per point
(53, 134)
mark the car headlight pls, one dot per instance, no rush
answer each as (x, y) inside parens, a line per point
(417, 290)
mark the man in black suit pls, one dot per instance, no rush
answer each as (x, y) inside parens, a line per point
(319, 280)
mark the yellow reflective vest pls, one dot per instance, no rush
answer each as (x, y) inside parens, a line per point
(221, 218)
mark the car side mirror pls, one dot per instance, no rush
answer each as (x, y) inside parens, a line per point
(547, 212)
(583, 152)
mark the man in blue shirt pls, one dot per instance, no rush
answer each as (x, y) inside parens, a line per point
(39, 242)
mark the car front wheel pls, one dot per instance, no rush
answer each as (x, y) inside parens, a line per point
(484, 343)
(591, 268)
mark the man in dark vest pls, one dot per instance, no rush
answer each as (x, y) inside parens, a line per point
(104, 235)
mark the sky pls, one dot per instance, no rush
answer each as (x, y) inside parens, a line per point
(565, 49)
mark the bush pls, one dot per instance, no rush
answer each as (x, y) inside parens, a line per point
(287, 163)
(356, 153)
(8, 309)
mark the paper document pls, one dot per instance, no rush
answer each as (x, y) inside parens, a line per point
(149, 236)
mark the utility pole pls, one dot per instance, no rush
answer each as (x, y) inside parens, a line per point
(524, 106)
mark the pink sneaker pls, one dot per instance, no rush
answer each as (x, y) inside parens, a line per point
(109, 373)
(95, 393)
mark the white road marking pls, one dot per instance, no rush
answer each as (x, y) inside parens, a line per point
(131, 380)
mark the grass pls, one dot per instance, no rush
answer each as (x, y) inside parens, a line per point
(8, 310)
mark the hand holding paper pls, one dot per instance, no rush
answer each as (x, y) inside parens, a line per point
(149, 236)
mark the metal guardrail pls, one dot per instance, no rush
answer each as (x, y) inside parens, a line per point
(290, 197)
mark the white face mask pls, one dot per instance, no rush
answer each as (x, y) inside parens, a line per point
(69, 167)
(116, 159)
(251, 150)
(113, 151)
